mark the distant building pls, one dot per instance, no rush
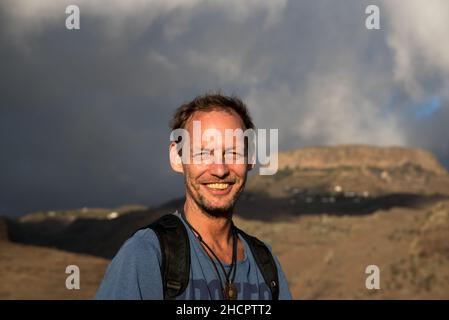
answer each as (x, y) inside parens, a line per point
(112, 215)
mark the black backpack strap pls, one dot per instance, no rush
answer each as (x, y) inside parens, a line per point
(175, 254)
(265, 262)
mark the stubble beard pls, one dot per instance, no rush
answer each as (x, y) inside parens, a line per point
(207, 208)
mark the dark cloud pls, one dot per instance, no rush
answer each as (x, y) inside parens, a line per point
(84, 113)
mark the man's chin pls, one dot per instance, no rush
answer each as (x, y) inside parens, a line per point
(218, 210)
(213, 205)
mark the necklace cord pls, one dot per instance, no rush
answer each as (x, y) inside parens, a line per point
(233, 268)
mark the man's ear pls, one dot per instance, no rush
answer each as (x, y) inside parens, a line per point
(175, 158)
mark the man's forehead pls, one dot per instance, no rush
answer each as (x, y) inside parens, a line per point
(216, 119)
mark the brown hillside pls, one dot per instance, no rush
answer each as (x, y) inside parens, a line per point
(359, 156)
(30, 272)
(323, 257)
(353, 170)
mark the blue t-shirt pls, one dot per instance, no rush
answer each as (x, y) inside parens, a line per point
(134, 273)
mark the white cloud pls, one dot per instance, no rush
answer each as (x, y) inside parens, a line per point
(418, 35)
(341, 113)
(329, 109)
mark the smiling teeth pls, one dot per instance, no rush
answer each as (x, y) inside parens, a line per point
(220, 186)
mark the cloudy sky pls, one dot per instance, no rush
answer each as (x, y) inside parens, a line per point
(84, 113)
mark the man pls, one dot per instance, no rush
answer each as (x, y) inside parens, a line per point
(219, 261)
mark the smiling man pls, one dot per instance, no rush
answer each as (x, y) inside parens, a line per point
(197, 252)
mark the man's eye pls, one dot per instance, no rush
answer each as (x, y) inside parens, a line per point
(202, 156)
(233, 154)
(203, 153)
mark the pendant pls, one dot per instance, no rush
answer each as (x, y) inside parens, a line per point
(230, 291)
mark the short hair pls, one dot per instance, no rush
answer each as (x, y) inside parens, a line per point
(211, 102)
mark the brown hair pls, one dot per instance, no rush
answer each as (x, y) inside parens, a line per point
(209, 102)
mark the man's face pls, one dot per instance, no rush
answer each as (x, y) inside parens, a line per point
(215, 186)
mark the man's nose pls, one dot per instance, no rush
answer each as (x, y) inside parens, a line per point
(219, 170)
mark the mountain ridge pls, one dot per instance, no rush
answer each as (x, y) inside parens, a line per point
(362, 170)
(320, 157)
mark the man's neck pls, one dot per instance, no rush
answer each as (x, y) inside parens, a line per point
(215, 231)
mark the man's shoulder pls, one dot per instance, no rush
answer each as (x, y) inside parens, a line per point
(146, 235)
(142, 242)
(249, 239)
(130, 275)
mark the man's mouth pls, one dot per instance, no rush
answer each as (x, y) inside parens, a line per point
(219, 188)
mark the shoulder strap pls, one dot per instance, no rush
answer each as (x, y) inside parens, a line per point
(265, 262)
(175, 253)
